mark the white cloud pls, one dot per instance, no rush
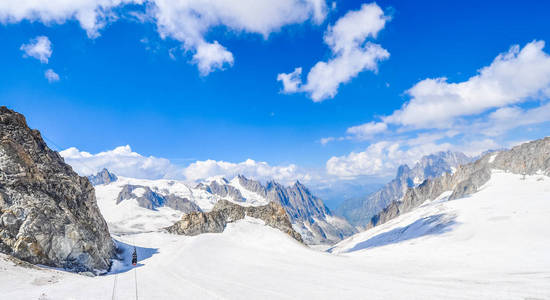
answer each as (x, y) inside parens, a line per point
(250, 168)
(367, 130)
(40, 48)
(125, 162)
(352, 54)
(383, 158)
(91, 14)
(51, 75)
(513, 77)
(291, 81)
(121, 160)
(189, 22)
(504, 119)
(211, 56)
(326, 140)
(379, 159)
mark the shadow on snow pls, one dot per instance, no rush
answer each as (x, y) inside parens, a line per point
(124, 252)
(432, 225)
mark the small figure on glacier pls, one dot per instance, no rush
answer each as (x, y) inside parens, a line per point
(134, 257)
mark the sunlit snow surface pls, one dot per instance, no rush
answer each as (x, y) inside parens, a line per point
(492, 245)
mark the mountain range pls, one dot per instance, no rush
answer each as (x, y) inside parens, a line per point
(309, 216)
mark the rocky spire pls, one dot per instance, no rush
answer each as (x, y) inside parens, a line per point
(102, 177)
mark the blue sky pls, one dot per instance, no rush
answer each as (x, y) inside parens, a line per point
(130, 79)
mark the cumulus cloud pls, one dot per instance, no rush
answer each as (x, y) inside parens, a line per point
(467, 116)
(513, 77)
(250, 168)
(189, 22)
(504, 119)
(367, 130)
(351, 54)
(211, 56)
(383, 158)
(485, 103)
(40, 48)
(291, 81)
(380, 159)
(91, 14)
(51, 76)
(121, 160)
(125, 162)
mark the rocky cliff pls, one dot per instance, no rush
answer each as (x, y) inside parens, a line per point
(225, 212)
(528, 159)
(48, 214)
(360, 211)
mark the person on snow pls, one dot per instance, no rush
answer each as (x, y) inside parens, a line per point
(134, 257)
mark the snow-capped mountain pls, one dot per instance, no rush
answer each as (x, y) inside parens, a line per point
(308, 214)
(359, 211)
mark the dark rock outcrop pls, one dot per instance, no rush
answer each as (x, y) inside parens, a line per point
(48, 214)
(152, 200)
(528, 159)
(225, 212)
(102, 177)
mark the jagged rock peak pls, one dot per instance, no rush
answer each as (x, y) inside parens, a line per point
(224, 212)
(150, 199)
(48, 214)
(102, 177)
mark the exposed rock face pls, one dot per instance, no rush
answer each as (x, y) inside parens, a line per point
(528, 159)
(222, 190)
(308, 214)
(152, 200)
(360, 211)
(103, 177)
(225, 212)
(48, 214)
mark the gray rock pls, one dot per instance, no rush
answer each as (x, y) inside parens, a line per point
(48, 214)
(102, 177)
(152, 200)
(225, 212)
(528, 159)
(222, 190)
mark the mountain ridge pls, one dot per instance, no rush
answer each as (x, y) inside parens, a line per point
(359, 211)
(527, 159)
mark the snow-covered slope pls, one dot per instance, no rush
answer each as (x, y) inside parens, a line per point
(499, 234)
(491, 245)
